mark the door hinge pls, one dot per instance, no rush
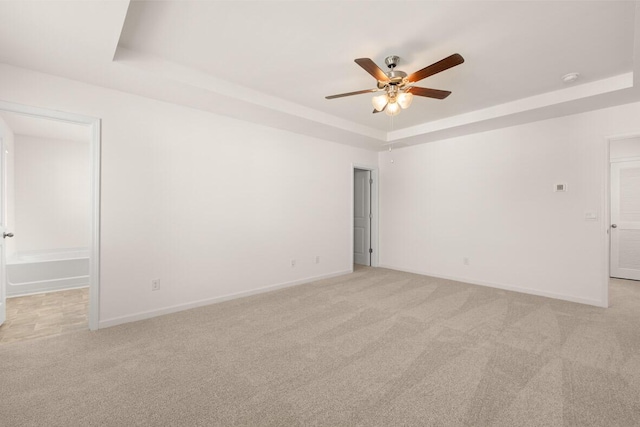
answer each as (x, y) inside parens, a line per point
(370, 250)
(370, 215)
(370, 180)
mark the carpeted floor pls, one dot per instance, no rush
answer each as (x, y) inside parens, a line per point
(374, 348)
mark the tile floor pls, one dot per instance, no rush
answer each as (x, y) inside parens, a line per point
(40, 315)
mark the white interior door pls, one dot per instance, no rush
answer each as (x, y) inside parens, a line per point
(3, 230)
(625, 220)
(362, 217)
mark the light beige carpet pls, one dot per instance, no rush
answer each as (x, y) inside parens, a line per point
(374, 348)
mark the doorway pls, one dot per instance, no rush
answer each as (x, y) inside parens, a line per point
(50, 212)
(364, 216)
(624, 208)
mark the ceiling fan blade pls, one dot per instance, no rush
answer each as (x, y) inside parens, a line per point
(371, 68)
(341, 95)
(429, 93)
(444, 64)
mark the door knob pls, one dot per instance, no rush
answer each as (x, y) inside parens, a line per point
(614, 226)
(5, 235)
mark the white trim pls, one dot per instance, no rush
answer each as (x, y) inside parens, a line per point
(502, 286)
(94, 244)
(375, 221)
(529, 105)
(95, 144)
(606, 221)
(624, 159)
(186, 306)
(175, 74)
(623, 136)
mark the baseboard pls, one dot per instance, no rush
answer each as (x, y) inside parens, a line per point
(186, 306)
(505, 287)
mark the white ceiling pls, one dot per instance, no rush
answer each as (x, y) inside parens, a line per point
(24, 125)
(274, 62)
(304, 51)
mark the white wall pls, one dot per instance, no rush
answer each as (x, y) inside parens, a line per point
(489, 197)
(210, 205)
(214, 206)
(6, 134)
(51, 194)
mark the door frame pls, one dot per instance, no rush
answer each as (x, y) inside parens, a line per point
(607, 209)
(375, 220)
(95, 125)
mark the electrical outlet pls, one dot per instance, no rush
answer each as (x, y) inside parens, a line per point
(293, 263)
(318, 259)
(465, 261)
(155, 284)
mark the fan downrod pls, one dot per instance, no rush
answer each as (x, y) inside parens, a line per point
(392, 61)
(395, 76)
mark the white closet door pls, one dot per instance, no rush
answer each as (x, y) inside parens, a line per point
(3, 230)
(361, 217)
(625, 220)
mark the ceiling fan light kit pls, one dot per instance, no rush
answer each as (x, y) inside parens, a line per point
(393, 109)
(398, 86)
(392, 100)
(404, 99)
(379, 102)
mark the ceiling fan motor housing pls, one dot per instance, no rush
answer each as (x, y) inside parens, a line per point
(395, 76)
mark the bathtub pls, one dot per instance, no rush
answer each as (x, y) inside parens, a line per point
(35, 272)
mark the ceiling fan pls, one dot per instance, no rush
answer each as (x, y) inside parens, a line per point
(398, 86)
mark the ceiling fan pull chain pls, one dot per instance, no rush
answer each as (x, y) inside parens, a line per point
(391, 145)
